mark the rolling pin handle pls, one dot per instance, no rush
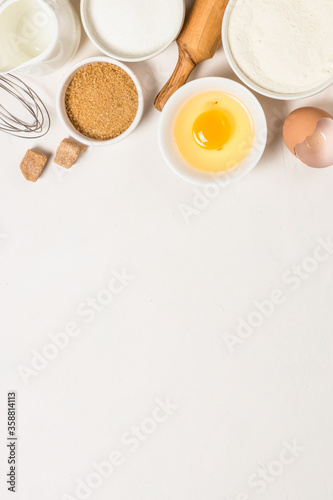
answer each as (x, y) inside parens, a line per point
(179, 77)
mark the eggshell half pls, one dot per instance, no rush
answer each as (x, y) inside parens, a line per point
(301, 124)
(317, 149)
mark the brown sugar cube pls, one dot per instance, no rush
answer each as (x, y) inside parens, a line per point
(33, 164)
(68, 152)
(82, 147)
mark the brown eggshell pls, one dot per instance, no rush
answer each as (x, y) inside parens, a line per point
(316, 151)
(301, 124)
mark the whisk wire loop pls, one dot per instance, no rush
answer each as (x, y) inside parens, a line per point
(12, 124)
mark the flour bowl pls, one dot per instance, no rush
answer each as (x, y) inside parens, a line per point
(235, 65)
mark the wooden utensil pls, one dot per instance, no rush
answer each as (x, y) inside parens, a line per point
(197, 42)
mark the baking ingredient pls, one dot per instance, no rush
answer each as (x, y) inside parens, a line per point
(33, 164)
(101, 101)
(68, 152)
(213, 131)
(308, 134)
(134, 29)
(27, 28)
(284, 46)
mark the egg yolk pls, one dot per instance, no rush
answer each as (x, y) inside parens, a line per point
(212, 129)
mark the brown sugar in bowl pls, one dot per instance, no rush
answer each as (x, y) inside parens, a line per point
(100, 101)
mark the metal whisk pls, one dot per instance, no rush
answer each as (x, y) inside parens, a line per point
(37, 122)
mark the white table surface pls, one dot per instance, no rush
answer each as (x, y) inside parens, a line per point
(163, 337)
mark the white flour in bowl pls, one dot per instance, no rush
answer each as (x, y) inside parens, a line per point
(285, 46)
(134, 28)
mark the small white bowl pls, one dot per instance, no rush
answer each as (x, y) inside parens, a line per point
(169, 148)
(250, 83)
(91, 32)
(61, 108)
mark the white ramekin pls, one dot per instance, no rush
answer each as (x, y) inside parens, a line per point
(245, 79)
(61, 108)
(121, 57)
(169, 148)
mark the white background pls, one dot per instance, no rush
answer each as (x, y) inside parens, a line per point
(163, 336)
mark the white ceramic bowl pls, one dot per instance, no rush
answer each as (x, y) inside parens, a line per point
(61, 108)
(251, 84)
(89, 29)
(170, 151)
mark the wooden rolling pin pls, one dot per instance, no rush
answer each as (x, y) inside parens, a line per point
(197, 42)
